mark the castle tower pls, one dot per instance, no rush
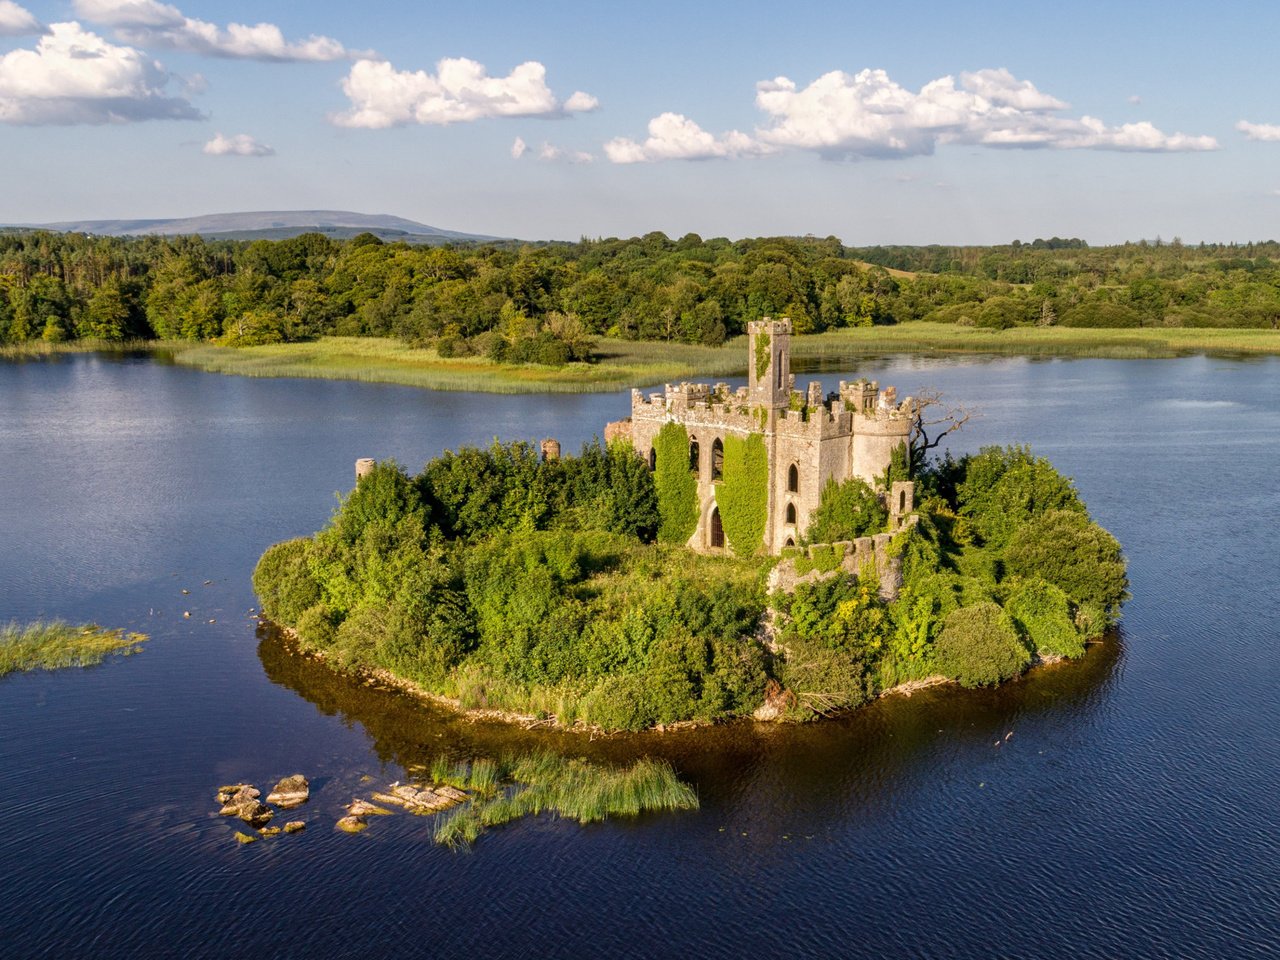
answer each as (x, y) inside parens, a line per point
(769, 363)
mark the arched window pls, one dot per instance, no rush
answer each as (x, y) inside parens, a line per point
(653, 459)
(789, 543)
(694, 458)
(793, 479)
(791, 513)
(902, 501)
(717, 529)
(717, 460)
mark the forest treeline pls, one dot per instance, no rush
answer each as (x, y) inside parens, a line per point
(545, 303)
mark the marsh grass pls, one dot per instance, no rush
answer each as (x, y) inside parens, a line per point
(1117, 344)
(52, 645)
(574, 789)
(618, 364)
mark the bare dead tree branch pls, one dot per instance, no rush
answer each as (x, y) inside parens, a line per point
(934, 420)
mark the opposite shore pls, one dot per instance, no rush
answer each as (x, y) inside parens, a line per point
(633, 363)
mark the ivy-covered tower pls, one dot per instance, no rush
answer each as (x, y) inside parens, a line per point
(750, 464)
(769, 380)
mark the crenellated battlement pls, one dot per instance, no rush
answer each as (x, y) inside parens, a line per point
(811, 437)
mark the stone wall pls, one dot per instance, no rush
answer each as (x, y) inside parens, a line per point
(850, 433)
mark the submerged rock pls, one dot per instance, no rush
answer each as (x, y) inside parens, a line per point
(363, 808)
(451, 793)
(351, 824)
(290, 792)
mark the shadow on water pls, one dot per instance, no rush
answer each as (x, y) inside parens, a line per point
(867, 757)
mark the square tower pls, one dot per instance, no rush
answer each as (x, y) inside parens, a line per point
(769, 363)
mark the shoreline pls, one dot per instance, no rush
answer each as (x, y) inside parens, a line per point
(622, 364)
(528, 721)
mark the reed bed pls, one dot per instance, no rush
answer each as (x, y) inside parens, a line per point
(570, 788)
(53, 644)
(1125, 344)
(379, 360)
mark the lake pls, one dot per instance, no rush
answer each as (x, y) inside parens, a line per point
(1133, 811)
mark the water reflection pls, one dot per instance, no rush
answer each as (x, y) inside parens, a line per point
(811, 773)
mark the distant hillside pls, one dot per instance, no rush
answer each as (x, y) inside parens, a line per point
(271, 225)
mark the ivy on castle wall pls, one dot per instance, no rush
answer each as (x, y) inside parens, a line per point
(743, 495)
(763, 341)
(677, 487)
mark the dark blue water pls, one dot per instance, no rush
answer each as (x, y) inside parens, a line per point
(1134, 811)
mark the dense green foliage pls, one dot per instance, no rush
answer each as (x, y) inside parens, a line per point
(847, 511)
(979, 645)
(675, 483)
(545, 304)
(507, 582)
(52, 645)
(743, 494)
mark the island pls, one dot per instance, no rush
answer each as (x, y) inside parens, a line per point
(766, 552)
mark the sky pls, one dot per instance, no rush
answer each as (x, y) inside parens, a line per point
(905, 122)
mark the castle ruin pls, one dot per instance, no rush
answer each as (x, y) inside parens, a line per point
(810, 439)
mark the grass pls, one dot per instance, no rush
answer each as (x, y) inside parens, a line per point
(571, 788)
(619, 364)
(628, 363)
(1119, 344)
(52, 645)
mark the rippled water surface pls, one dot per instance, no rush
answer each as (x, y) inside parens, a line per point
(1134, 811)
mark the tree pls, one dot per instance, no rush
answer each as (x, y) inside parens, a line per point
(933, 422)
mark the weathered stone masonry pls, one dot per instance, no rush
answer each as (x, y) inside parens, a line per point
(809, 439)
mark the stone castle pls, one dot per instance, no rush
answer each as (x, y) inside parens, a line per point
(810, 439)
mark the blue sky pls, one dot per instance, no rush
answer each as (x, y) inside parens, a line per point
(878, 123)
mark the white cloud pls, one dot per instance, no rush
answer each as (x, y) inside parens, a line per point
(580, 102)
(673, 136)
(241, 145)
(16, 21)
(458, 92)
(1134, 99)
(849, 116)
(518, 148)
(549, 153)
(74, 76)
(868, 115)
(151, 24)
(1259, 131)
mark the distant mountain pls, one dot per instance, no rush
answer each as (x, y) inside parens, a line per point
(270, 225)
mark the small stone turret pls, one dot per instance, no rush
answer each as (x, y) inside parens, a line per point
(550, 450)
(769, 363)
(364, 467)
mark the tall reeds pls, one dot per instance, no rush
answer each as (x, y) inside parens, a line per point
(51, 645)
(575, 789)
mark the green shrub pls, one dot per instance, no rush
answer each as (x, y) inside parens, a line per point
(822, 680)
(283, 582)
(978, 646)
(1003, 488)
(846, 511)
(1070, 551)
(619, 702)
(743, 495)
(1043, 613)
(676, 487)
(318, 627)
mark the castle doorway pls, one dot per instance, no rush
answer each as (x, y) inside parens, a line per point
(717, 529)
